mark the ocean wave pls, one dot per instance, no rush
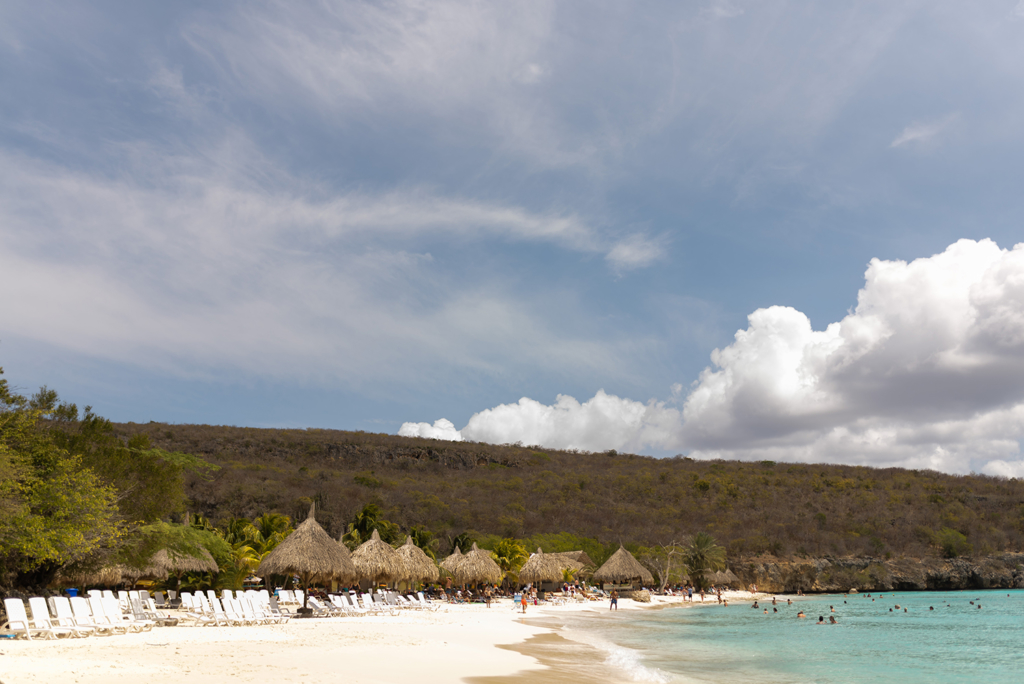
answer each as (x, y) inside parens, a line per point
(625, 660)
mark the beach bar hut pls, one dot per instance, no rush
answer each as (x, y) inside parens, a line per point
(623, 568)
(376, 561)
(310, 553)
(419, 567)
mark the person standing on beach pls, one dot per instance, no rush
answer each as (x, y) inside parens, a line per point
(615, 600)
(523, 600)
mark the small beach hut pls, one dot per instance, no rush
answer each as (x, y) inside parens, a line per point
(166, 562)
(475, 565)
(580, 557)
(108, 576)
(450, 565)
(419, 567)
(310, 553)
(728, 578)
(623, 568)
(478, 566)
(546, 567)
(376, 561)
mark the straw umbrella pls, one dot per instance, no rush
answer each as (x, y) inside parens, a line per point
(622, 567)
(478, 566)
(580, 557)
(418, 565)
(167, 562)
(310, 553)
(376, 561)
(546, 567)
(452, 564)
(108, 576)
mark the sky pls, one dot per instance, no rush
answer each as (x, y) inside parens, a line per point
(727, 229)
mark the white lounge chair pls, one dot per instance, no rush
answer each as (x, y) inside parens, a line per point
(84, 616)
(42, 619)
(19, 623)
(60, 606)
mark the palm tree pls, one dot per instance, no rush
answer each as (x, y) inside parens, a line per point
(510, 556)
(424, 538)
(268, 530)
(703, 555)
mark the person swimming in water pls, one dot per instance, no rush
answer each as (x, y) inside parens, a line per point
(801, 614)
(821, 620)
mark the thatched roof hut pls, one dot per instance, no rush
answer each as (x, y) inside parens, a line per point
(109, 576)
(580, 557)
(727, 577)
(546, 567)
(450, 565)
(310, 553)
(475, 565)
(167, 562)
(419, 567)
(478, 566)
(622, 567)
(377, 561)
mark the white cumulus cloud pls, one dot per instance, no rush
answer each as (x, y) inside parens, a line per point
(927, 371)
(441, 429)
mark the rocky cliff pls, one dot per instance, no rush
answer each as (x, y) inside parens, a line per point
(879, 574)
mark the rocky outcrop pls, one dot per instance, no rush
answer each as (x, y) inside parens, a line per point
(639, 595)
(879, 574)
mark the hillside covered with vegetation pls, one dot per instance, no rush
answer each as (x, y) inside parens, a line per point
(487, 492)
(79, 494)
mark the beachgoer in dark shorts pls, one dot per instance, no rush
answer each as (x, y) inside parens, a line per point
(615, 601)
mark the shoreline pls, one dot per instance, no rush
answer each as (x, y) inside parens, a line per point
(468, 643)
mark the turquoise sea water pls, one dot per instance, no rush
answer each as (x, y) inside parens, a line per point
(955, 642)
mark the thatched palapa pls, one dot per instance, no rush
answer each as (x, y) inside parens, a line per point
(377, 561)
(168, 562)
(621, 568)
(452, 563)
(310, 553)
(580, 557)
(108, 576)
(475, 566)
(546, 567)
(419, 567)
(479, 566)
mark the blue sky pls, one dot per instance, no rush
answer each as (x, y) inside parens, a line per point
(355, 215)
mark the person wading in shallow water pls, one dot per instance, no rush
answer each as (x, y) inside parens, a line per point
(615, 600)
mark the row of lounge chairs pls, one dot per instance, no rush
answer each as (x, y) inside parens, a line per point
(353, 605)
(102, 613)
(245, 609)
(63, 617)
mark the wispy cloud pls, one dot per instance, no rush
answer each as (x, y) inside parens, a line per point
(922, 131)
(721, 9)
(201, 270)
(635, 251)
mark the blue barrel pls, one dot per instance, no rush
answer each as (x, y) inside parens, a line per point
(72, 592)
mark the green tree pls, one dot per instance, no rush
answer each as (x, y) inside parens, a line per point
(703, 556)
(56, 512)
(150, 482)
(510, 555)
(366, 521)
(951, 543)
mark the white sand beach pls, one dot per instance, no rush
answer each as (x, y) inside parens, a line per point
(415, 646)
